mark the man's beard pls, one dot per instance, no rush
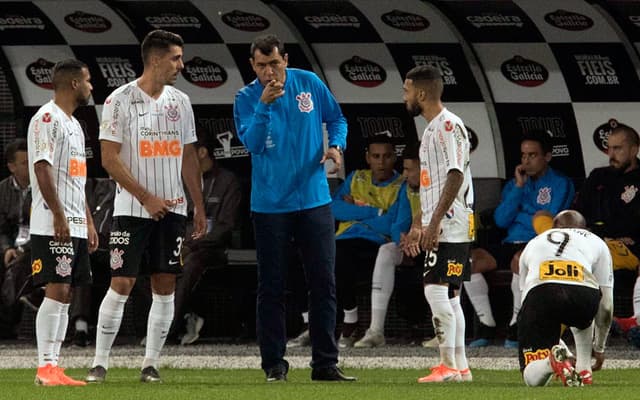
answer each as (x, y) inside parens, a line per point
(622, 166)
(414, 109)
(82, 101)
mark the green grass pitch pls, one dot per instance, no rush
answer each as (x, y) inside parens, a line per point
(391, 384)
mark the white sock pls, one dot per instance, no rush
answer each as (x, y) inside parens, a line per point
(47, 322)
(444, 322)
(537, 373)
(478, 292)
(61, 332)
(382, 282)
(636, 300)
(517, 298)
(160, 317)
(461, 356)
(305, 317)
(583, 339)
(81, 325)
(351, 316)
(109, 319)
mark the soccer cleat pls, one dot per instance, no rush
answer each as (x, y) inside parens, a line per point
(441, 373)
(346, 341)
(194, 325)
(561, 366)
(465, 375)
(431, 343)
(150, 375)
(67, 380)
(586, 377)
(96, 374)
(510, 344)
(371, 339)
(302, 340)
(48, 376)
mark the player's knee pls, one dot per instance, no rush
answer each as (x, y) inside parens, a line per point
(122, 284)
(532, 377)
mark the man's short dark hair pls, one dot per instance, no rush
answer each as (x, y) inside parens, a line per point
(66, 70)
(266, 44)
(540, 136)
(630, 134)
(428, 78)
(159, 40)
(383, 137)
(411, 151)
(13, 147)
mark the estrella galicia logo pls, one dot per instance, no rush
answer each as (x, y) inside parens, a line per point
(244, 21)
(40, 73)
(568, 20)
(363, 72)
(473, 139)
(204, 73)
(405, 21)
(524, 72)
(602, 132)
(89, 23)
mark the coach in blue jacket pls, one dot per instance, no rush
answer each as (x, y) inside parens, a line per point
(279, 119)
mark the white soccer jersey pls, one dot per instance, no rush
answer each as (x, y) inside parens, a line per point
(153, 133)
(570, 256)
(445, 147)
(58, 139)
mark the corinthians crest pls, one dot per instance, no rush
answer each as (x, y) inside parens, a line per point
(64, 266)
(305, 104)
(629, 193)
(172, 112)
(116, 258)
(544, 196)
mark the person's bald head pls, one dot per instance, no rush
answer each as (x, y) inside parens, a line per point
(569, 219)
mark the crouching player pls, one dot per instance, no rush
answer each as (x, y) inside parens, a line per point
(566, 277)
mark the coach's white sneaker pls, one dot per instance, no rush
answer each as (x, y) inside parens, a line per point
(371, 339)
(194, 324)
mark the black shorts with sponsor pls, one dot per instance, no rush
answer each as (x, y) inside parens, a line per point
(54, 262)
(449, 263)
(545, 309)
(161, 241)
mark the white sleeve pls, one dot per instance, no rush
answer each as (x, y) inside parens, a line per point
(113, 121)
(189, 132)
(523, 270)
(603, 267)
(452, 137)
(44, 129)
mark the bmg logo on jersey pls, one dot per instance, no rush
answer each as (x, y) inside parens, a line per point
(60, 248)
(160, 148)
(119, 238)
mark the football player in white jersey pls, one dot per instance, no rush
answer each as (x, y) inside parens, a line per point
(566, 277)
(445, 227)
(147, 136)
(62, 231)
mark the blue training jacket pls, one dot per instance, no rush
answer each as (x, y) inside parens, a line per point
(285, 140)
(370, 225)
(553, 192)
